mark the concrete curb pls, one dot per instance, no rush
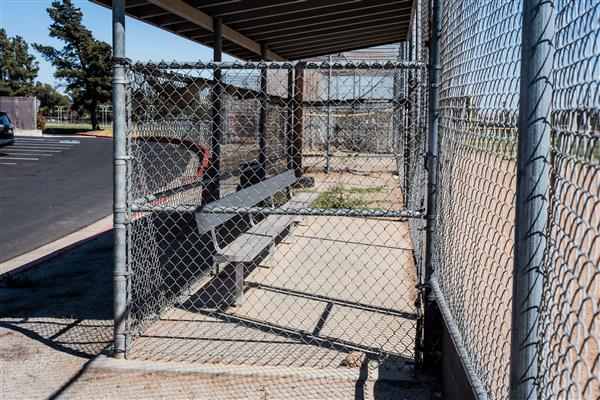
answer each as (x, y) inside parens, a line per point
(103, 362)
(90, 134)
(342, 374)
(28, 132)
(44, 253)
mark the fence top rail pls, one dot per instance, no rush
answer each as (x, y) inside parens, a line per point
(285, 65)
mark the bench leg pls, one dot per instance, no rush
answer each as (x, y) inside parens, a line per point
(270, 258)
(239, 284)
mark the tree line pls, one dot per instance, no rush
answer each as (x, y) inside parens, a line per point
(83, 64)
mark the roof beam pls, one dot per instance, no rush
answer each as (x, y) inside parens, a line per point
(189, 13)
(340, 14)
(343, 39)
(337, 33)
(317, 52)
(335, 30)
(134, 3)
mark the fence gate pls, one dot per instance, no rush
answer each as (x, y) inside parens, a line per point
(270, 212)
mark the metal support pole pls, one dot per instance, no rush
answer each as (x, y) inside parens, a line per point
(411, 121)
(531, 209)
(298, 122)
(212, 192)
(262, 126)
(431, 341)
(290, 119)
(396, 114)
(328, 138)
(119, 182)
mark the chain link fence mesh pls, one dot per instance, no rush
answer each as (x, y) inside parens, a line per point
(267, 220)
(479, 95)
(321, 181)
(569, 355)
(480, 52)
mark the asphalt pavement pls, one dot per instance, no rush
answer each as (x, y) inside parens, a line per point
(51, 187)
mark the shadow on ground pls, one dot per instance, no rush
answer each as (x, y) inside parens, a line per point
(57, 316)
(66, 302)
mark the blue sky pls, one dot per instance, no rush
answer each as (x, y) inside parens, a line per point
(29, 19)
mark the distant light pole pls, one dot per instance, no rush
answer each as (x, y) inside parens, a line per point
(105, 109)
(59, 111)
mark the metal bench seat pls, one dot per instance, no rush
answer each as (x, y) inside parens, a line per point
(261, 236)
(248, 197)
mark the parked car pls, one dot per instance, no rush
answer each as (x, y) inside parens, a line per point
(7, 133)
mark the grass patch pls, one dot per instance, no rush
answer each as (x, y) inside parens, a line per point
(72, 129)
(337, 197)
(363, 190)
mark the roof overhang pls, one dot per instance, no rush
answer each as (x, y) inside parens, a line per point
(290, 29)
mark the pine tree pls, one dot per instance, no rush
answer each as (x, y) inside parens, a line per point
(49, 98)
(18, 68)
(84, 63)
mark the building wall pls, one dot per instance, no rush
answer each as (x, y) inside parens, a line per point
(21, 111)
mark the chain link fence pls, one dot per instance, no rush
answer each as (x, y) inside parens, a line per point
(276, 210)
(474, 241)
(569, 353)
(267, 221)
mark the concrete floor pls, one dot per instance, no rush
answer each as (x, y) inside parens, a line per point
(334, 286)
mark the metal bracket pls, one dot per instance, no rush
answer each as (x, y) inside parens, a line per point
(117, 81)
(123, 158)
(121, 60)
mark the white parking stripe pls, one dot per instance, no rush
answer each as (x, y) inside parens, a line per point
(29, 149)
(45, 140)
(43, 144)
(29, 154)
(34, 145)
(38, 150)
(42, 139)
(36, 140)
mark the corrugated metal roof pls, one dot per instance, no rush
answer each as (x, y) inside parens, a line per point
(291, 29)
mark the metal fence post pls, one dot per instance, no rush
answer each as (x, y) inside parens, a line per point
(432, 316)
(212, 190)
(262, 126)
(297, 131)
(531, 209)
(290, 119)
(328, 140)
(119, 181)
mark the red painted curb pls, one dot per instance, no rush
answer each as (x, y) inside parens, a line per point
(91, 135)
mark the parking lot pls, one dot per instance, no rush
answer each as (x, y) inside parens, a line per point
(51, 187)
(27, 149)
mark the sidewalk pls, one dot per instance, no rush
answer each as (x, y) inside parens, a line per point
(54, 318)
(43, 253)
